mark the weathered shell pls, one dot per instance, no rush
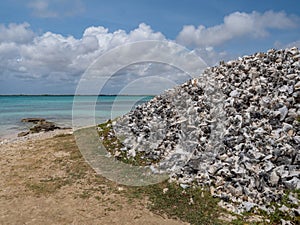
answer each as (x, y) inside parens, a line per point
(236, 126)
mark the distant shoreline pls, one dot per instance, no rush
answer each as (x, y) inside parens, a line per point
(59, 109)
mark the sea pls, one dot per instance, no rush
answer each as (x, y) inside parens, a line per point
(59, 109)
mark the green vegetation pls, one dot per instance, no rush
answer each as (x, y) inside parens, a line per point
(272, 218)
(194, 205)
(113, 145)
(45, 187)
(62, 135)
(277, 215)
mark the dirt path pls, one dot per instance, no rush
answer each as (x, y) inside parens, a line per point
(46, 181)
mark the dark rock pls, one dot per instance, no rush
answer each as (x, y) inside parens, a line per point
(33, 120)
(41, 125)
(22, 134)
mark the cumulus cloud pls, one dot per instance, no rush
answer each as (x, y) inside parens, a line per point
(53, 56)
(55, 8)
(146, 78)
(16, 33)
(55, 59)
(213, 57)
(237, 24)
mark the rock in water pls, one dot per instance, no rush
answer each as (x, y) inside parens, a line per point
(236, 128)
(33, 120)
(41, 125)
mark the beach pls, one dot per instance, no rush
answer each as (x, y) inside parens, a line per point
(59, 109)
(174, 112)
(45, 180)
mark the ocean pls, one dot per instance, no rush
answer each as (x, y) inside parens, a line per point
(58, 109)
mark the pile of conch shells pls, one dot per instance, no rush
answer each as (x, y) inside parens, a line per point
(235, 129)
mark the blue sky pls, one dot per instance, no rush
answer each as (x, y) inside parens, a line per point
(45, 46)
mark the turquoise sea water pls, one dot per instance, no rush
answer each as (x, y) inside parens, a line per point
(59, 109)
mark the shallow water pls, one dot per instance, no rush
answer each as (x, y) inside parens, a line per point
(59, 109)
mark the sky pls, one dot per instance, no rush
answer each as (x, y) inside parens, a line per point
(46, 46)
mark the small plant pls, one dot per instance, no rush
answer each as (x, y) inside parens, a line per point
(194, 205)
(62, 135)
(113, 145)
(48, 186)
(85, 195)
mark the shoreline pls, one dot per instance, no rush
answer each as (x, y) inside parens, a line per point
(10, 132)
(13, 138)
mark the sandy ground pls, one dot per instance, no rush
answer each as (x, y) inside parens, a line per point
(44, 180)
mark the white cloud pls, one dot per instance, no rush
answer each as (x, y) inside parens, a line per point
(53, 56)
(17, 33)
(55, 8)
(145, 78)
(237, 24)
(211, 56)
(108, 40)
(144, 32)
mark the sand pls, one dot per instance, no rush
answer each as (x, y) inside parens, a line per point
(44, 180)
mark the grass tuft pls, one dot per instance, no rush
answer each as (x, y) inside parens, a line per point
(113, 145)
(49, 186)
(193, 205)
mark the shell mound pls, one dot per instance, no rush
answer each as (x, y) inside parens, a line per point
(235, 128)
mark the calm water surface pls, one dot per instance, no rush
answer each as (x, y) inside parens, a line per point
(59, 109)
